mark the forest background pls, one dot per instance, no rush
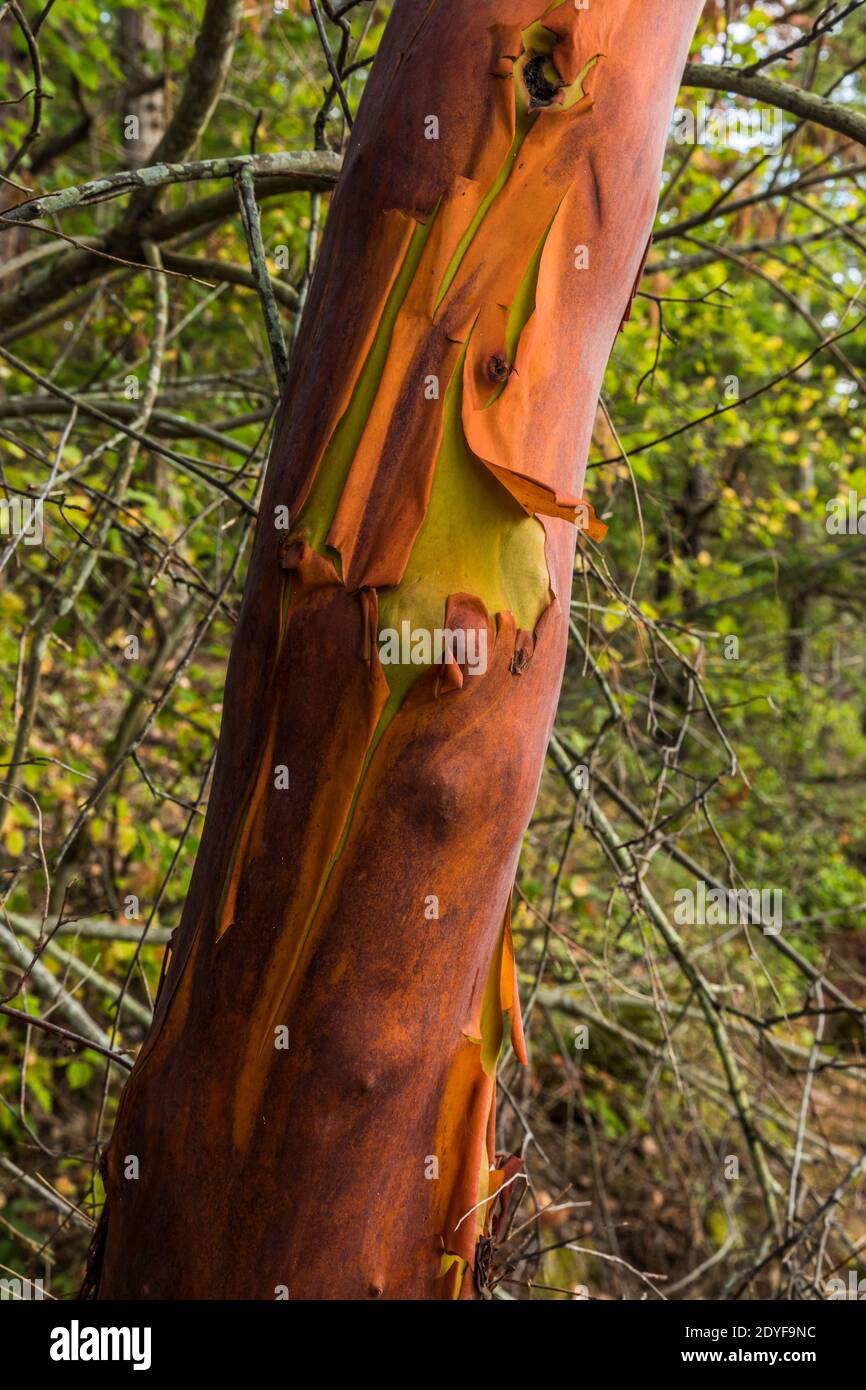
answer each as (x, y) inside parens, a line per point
(693, 1120)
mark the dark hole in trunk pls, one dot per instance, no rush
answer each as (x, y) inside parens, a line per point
(541, 90)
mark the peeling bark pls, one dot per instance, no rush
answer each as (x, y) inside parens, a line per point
(430, 450)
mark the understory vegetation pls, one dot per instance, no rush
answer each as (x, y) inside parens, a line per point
(693, 1118)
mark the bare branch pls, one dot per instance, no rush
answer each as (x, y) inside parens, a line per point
(313, 168)
(253, 229)
(807, 105)
(37, 92)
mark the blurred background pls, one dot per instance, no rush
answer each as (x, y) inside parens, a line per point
(693, 1121)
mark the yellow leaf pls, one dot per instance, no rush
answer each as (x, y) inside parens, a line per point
(15, 842)
(126, 839)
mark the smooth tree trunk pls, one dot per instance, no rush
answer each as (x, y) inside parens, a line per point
(143, 115)
(312, 1113)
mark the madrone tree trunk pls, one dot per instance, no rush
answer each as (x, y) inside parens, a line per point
(312, 1114)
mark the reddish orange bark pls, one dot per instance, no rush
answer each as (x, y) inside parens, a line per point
(430, 449)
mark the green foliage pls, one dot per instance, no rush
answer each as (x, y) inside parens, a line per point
(735, 445)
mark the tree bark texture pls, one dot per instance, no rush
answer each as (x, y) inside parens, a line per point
(482, 251)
